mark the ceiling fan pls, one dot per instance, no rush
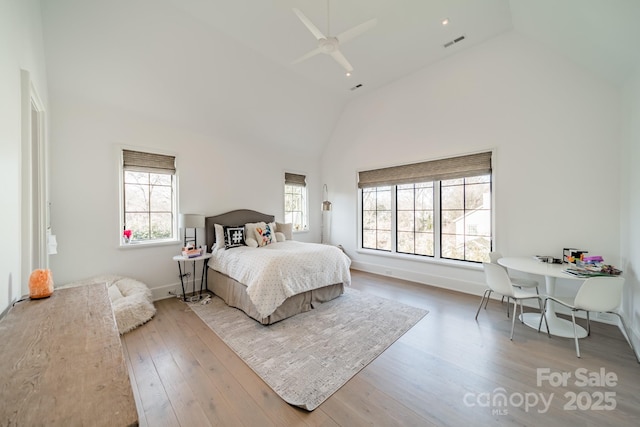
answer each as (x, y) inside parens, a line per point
(330, 45)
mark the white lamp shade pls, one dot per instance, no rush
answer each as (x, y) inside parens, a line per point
(191, 221)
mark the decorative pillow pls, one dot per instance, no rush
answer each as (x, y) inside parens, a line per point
(233, 236)
(265, 236)
(219, 236)
(251, 242)
(286, 229)
(280, 237)
(250, 228)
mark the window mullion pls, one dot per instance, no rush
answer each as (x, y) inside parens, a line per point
(437, 220)
(394, 219)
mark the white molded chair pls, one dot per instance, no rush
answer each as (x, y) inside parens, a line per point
(597, 294)
(498, 281)
(518, 282)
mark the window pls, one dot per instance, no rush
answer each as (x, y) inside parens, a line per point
(439, 209)
(148, 196)
(295, 201)
(415, 218)
(376, 218)
(466, 218)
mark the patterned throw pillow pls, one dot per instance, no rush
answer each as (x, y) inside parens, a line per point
(233, 236)
(250, 228)
(265, 235)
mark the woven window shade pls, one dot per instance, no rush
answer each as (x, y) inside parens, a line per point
(148, 162)
(295, 179)
(435, 170)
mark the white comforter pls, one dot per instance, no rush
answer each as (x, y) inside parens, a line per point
(277, 271)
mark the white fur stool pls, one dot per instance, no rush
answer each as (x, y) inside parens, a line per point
(131, 300)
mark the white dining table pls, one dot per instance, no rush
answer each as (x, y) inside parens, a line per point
(551, 272)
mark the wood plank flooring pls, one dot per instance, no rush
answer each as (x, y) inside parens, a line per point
(448, 370)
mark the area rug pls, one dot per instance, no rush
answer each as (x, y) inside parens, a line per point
(308, 357)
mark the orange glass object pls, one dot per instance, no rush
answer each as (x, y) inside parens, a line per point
(40, 284)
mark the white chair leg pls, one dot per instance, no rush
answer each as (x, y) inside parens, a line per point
(575, 332)
(488, 291)
(513, 321)
(546, 323)
(521, 313)
(540, 324)
(487, 301)
(543, 315)
(539, 299)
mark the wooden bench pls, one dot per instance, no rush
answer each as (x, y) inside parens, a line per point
(61, 362)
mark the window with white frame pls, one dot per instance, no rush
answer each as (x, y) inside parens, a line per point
(295, 201)
(439, 209)
(148, 192)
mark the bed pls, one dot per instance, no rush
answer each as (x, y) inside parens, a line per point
(301, 283)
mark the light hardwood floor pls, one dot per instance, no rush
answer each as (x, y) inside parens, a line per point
(448, 370)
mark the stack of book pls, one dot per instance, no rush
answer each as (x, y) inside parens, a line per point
(590, 267)
(191, 252)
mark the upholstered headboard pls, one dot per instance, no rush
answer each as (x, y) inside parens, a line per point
(237, 217)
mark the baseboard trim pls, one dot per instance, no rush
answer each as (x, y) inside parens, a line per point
(467, 287)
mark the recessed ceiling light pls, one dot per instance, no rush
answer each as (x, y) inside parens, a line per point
(445, 21)
(348, 74)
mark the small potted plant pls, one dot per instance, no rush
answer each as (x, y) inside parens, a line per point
(126, 236)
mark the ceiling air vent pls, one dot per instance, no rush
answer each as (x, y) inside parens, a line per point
(454, 41)
(358, 86)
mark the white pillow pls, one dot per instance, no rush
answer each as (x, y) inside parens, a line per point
(286, 229)
(219, 236)
(251, 242)
(280, 237)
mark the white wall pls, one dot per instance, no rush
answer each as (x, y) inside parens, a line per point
(139, 74)
(630, 207)
(215, 175)
(554, 130)
(21, 47)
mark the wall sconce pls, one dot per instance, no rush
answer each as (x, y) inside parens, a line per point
(194, 221)
(325, 236)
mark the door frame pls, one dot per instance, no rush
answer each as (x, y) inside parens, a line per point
(34, 182)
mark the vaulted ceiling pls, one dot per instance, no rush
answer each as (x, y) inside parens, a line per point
(228, 64)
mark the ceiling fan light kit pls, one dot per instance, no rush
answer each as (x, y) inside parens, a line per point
(330, 45)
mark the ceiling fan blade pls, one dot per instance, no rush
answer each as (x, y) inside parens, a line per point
(340, 59)
(314, 30)
(307, 55)
(356, 31)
